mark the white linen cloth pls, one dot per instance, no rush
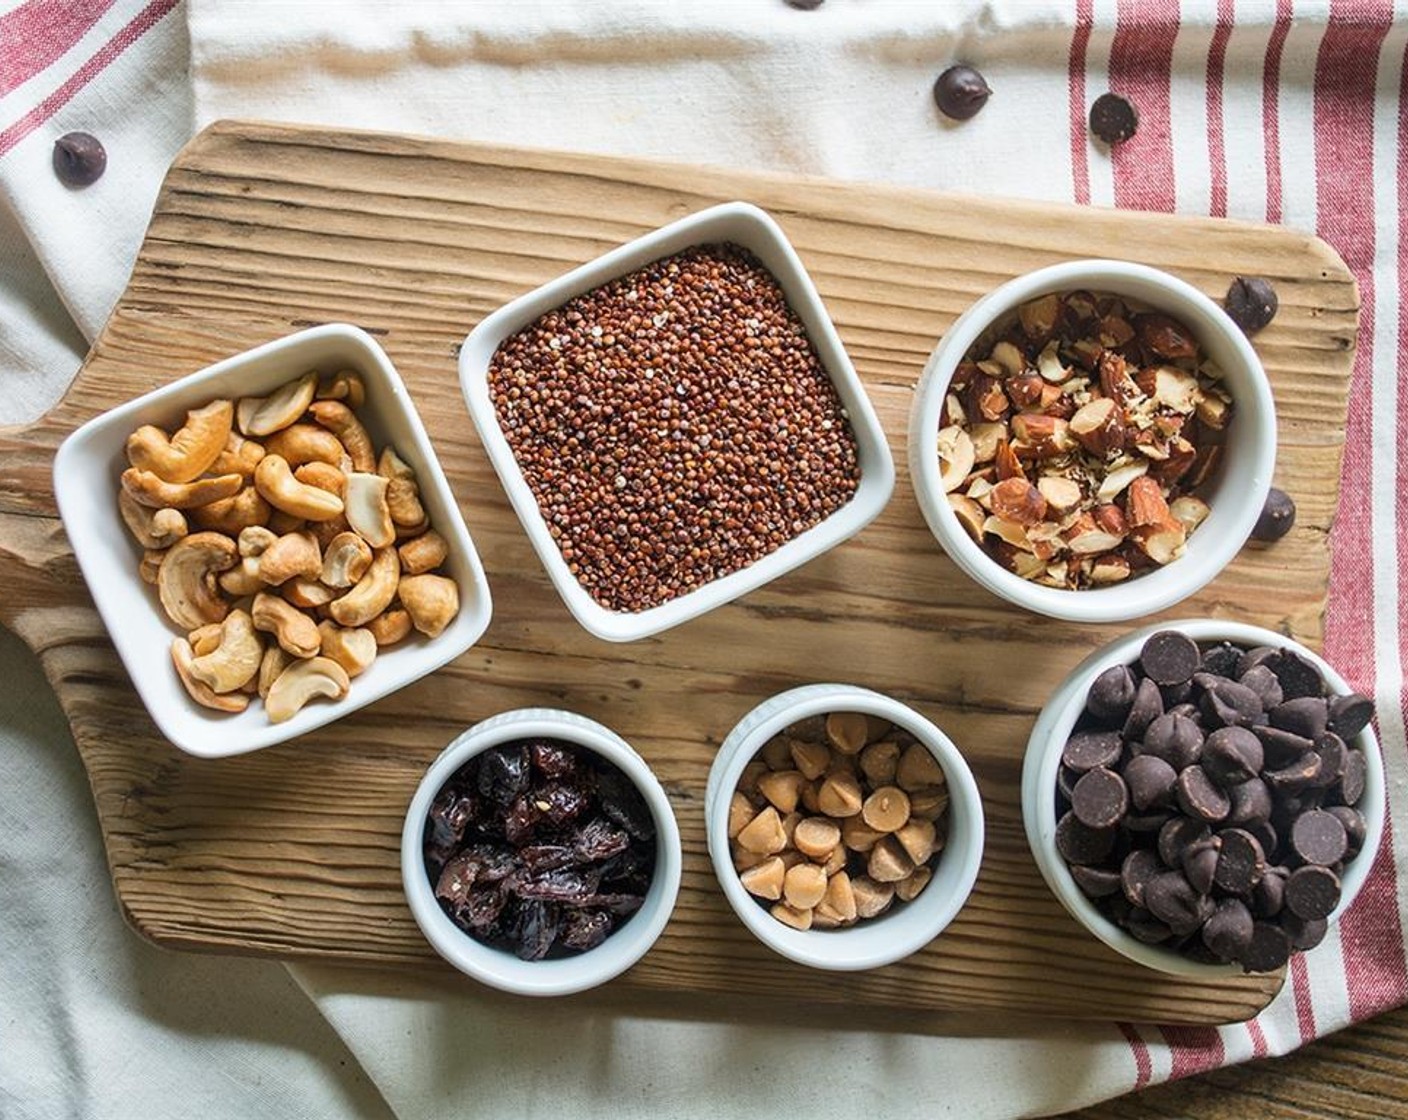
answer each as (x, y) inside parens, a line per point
(1285, 110)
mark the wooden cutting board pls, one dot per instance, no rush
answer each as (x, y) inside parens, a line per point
(292, 851)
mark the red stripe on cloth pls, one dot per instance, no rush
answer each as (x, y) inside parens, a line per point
(40, 31)
(1141, 65)
(1080, 40)
(1346, 70)
(1217, 150)
(140, 24)
(1258, 1037)
(1271, 107)
(1193, 1050)
(1300, 989)
(1143, 1066)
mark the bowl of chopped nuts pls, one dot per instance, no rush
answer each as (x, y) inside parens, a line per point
(271, 541)
(1204, 796)
(845, 828)
(1093, 441)
(676, 422)
(540, 855)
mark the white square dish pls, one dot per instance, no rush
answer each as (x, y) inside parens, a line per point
(86, 471)
(752, 229)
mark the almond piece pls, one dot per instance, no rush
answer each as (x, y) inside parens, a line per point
(955, 457)
(1009, 358)
(970, 515)
(1038, 316)
(1098, 428)
(1176, 389)
(1115, 381)
(1117, 479)
(1061, 494)
(1165, 337)
(1109, 569)
(1008, 531)
(1048, 365)
(1018, 501)
(1111, 519)
(1025, 389)
(1006, 461)
(1146, 503)
(1213, 411)
(1188, 510)
(986, 400)
(1085, 538)
(1161, 542)
(1040, 436)
(985, 437)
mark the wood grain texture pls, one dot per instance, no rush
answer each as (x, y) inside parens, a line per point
(260, 230)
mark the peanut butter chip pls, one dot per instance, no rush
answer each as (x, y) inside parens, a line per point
(847, 731)
(840, 898)
(777, 753)
(804, 886)
(872, 898)
(765, 880)
(917, 840)
(879, 761)
(812, 759)
(783, 788)
(764, 834)
(857, 835)
(907, 889)
(817, 837)
(888, 861)
(917, 768)
(839, 796)
(788, 916)
(886, 810)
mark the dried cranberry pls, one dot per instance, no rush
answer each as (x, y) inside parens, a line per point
(622, 802)
(533, 929)
(597, 840)
(547, 857)
(503, 773)
(560, 803)
(552, 760)
(585, 929)
(457, 879)
(482, 909)
(563, 885)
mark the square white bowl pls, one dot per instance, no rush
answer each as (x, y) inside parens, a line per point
(751, 228)
(86, 472)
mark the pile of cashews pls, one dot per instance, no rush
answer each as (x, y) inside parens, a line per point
(284, 547)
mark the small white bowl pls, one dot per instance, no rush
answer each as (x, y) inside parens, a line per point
(906, 927)
(1239, 487)
(497, 967)
(86, 472)
(1043, 760)
(755, 231)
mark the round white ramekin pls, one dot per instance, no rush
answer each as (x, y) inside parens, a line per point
(1043, 760)
(1239, 487)
(906, 927)
(497, 967)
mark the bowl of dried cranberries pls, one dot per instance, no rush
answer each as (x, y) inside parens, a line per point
(540, 855)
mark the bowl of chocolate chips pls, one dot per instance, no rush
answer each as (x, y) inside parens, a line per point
(540, 855)
(1205, 796)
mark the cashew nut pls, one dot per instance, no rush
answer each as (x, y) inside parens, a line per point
(292, 629)
(182, 656)
(345, 385)
(433, 602)
(346, 559)
(284, 492)
(236, 657)
(354, 650)
(424, 553)
(403, 500)
(153, 528)
(276, 659)
(281, 523)
(328, 531)
(186, 580)
(367, 511)
(151, 490)
(391, 465)
(262, 416)
(294, 554)
(243, 579)
(151, 564)
(304, 681)
(240, 457)
(305, 443)
(190, 452)
(303, 592)
(390, 627)
(373, 592)
(324, 476)
(254, 540)
(232, 515)
(205, 638)
(340, 420)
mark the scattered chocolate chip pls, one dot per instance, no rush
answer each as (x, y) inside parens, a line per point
(1312, 892)
(1350, 714)
(1100, 799)
(79, 159)
(1085, 750)
(961, 92)
(1200, 863)
(1170, 657)
(1150, 780)
(1113, 119)
(1173, 901)
(1079, 843)
(1320, 838)
(1251, 303)
(1112, 695)
(1139, 868)
(1148, 706)
(1278, 516)
(1232, 756)
(1096, 882)
(1268, 949)
(1241, 862)
(1229, 931)
(1201, 797)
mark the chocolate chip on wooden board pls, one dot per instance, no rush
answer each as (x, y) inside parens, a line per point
(1251, 303)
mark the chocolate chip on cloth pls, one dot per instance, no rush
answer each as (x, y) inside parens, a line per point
(1113, 119)
(79, 159)
(960, 92)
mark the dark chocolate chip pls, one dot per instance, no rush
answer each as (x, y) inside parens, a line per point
(1100, 799)
(805, 5)
(1268, 949)
(1231, 756)
(1355, 827)
(1304, 934)
(1298, 676)
(1295, 777)
(1189, 711)
(1251, 303)
(1138, 868)
(1143, 926)
(1312, 892)
(1151, 821)
(1113, 119)
(1306, 716)
(1085, 750)
(1148, 706)
(1228, 931)
(1176, 696)
(1111, 695)
(1173, 901)
(1261, 680)
(1176, 836)
(1269, 895)
(1096, 882)
(1226, 703)
(1332, 751)
(1170, 657)
(1350, 714)
(1356, 773)
(79, 159)
(1281, 747)
(1241, 863)
(1200, 863)
(1319, 837)
(1199, 796)
(1079, 843)
(961, 92)
(1150, 780)
(1178, 741)
(1251, 803)
(1221, 660)
(1278, 516)
(1266, 835)
(1066, 780)
(1250, 659)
